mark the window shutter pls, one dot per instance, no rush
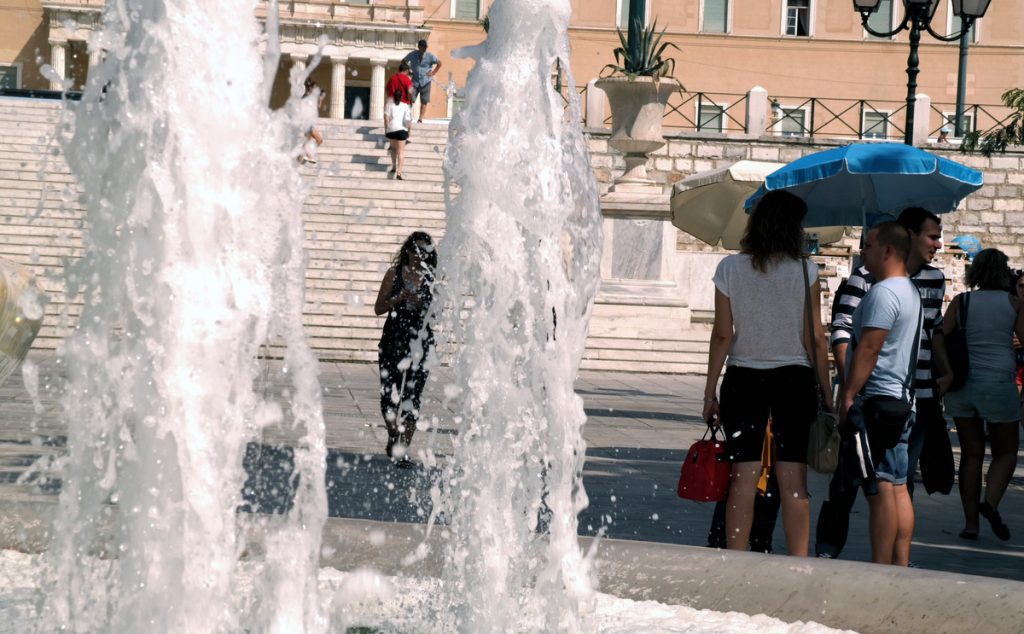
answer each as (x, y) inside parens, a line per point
(715, 16)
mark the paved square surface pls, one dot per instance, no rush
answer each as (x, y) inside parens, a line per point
(637, 432)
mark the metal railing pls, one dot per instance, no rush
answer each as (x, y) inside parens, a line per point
(837, 118)
(979, 118)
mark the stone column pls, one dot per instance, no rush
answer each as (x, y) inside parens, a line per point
(758, 112)
(377, 89)
(57, 62)
(922, 119)
(596, 101)
(337, 110)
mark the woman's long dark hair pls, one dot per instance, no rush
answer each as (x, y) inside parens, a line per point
(428, 255)
(990, 271)
(773, 230)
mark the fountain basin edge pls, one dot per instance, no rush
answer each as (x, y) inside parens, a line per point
(841, 594)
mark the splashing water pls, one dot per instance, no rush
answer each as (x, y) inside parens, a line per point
(520, 265)
(193, 260)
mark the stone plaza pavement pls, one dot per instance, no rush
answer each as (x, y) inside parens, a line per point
(637, 432)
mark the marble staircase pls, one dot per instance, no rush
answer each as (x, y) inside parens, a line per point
(355, 219)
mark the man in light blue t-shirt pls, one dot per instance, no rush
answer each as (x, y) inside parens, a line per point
(424, 66)
(880, 366)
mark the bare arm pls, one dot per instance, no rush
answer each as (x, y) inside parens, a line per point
(839, 354)
(721, 340)
(434, 70)
(385, 302)
(820, 348)
(1018, 326)
(863, 364)
(949, 320)
(941, 358)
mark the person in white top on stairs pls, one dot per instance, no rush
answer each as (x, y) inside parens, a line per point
(397, 123)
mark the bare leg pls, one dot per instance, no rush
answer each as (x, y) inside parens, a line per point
(972, 453)
(904, 524)
(1005, 440)
(740, 513)
(796, 507)
(393, 153)
(883, 523)
(400, 152)
(408, 429)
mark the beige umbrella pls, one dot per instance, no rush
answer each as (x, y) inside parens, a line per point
(709, 205)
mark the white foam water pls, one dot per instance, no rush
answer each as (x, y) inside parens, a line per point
(519, 270)
(192, 260)
(369, 602)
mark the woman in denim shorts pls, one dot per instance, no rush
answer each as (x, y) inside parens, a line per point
(990, 393)
(761, 328)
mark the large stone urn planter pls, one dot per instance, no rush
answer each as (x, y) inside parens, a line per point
(638, 107)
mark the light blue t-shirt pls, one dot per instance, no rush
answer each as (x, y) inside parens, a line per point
(420, 66)
(893, 304)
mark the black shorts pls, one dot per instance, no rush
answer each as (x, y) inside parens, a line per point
(749, 396)
(398, 135)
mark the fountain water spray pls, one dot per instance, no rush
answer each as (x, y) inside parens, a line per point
(192, 260)
(519, 270)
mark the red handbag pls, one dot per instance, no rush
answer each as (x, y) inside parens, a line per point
(705, 473)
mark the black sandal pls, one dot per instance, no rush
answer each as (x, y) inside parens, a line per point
(995, 520)
(965, 534)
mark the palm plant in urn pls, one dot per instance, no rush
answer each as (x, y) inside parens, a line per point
(638, 89)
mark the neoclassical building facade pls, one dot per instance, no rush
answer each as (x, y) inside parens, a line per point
(794, 49)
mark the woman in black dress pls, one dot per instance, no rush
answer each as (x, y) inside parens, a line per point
(405, 296)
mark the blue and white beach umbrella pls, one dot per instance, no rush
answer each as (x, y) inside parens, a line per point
(853, 184)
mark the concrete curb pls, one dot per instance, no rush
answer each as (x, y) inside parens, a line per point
(841, 594)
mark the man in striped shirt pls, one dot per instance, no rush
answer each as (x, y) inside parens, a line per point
(926, 238)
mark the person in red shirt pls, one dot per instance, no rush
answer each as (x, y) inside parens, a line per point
(401, 82)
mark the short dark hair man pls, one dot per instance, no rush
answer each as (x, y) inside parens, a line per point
(925, 239)
(424, 66)
(880, 368)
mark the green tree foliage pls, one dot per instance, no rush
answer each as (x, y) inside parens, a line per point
(1010, 132)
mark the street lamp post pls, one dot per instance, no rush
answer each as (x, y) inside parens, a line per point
(635, 26)
(917, 17)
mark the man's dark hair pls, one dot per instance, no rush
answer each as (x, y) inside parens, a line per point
(403, 67)
(895, 235)
(421, 44)
(913, 217)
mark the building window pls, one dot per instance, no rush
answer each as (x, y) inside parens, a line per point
(798, 18)
(882, 19)
(623, 13)
(876, 125)
(950, 118)
(953, 25)
(10, 76)
(716, 16)
(711, 118)
(792, 122)
(466, 9)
